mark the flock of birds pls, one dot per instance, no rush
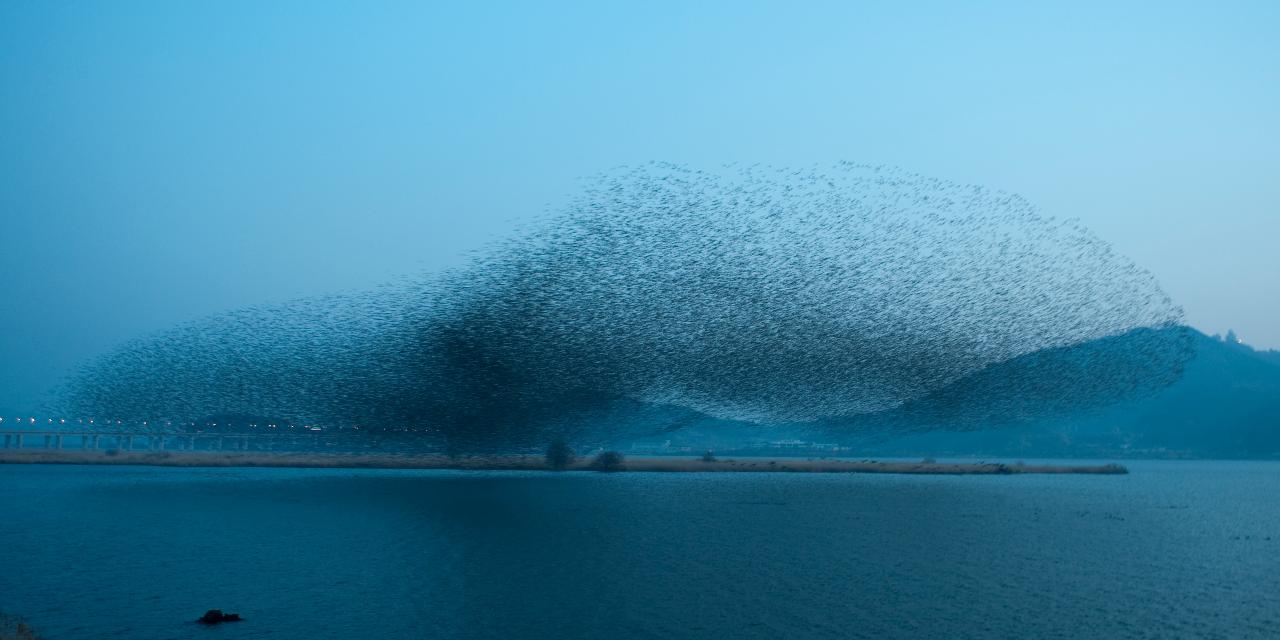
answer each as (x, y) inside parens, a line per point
(663, 295)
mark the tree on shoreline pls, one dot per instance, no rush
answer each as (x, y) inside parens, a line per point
(559, 455)
(608, 461)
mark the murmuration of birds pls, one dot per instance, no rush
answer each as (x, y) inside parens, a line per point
(847, 299)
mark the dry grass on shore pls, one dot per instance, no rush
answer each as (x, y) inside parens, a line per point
(529, 463)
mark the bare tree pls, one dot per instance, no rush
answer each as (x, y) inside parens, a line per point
(559, 455)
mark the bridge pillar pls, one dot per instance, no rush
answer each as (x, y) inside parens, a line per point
(57, 440)
(128, 443)
(93, 442)
(159, 442)
(17, 441)
(221, 441)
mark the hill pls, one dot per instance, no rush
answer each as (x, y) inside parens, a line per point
(1225, 404)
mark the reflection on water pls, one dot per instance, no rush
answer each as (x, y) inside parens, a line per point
(1176, 549)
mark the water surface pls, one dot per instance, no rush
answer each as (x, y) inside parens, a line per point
(1173, 550)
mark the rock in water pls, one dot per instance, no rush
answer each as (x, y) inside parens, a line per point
(216, 616)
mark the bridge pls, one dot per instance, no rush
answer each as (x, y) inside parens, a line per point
(152, 441)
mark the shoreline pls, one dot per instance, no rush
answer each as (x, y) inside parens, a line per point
(669, 464)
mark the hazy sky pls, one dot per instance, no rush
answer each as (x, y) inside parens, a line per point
(163, 161)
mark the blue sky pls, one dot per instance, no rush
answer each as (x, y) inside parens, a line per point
(161, 161)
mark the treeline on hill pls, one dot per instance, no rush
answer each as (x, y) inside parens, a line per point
(1226, 404)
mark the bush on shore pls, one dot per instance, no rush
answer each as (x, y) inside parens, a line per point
(559, 455)
(608, 461)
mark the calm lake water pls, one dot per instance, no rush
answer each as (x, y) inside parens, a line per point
(1173, 550)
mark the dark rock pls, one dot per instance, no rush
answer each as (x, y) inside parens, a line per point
(216, 616)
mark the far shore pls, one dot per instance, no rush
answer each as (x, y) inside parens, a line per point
(678, 464)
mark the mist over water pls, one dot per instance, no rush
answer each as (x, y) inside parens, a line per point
(664, 294)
